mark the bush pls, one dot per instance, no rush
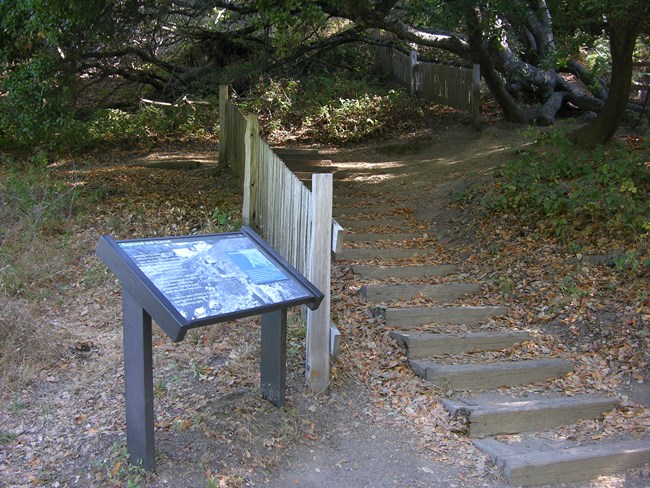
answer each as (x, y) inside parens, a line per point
(568, 192)
(332, 107)
(114, 126)
(37, 130)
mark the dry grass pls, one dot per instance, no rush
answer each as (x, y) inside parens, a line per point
(28, 344)
(35, 263)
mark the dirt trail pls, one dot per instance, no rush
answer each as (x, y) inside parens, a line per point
(355, 447)
(212, 429)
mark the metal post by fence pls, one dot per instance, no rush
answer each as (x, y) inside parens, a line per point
(318, 321)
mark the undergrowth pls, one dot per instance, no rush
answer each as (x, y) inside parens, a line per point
(322, 109)
(35, 255)
(181, 121)
(577, 195)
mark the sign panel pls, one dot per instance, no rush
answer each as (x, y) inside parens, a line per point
(207, 278)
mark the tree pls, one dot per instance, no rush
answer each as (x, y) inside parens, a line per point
(35, 71)
(624, 23)
(173, 47)
(514, 42)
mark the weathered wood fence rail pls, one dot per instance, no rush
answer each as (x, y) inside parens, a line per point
(453, 86)
(295, 221)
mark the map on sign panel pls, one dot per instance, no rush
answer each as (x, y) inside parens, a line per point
(208, 276)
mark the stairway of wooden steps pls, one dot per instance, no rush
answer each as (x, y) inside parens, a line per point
(433, 355)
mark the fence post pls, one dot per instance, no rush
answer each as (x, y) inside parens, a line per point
(413, 85)
(476, 96)
(251, 157)
(318, 321)
(224, 95)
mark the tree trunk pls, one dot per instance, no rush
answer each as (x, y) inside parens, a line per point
(512, 110)
(623, 32)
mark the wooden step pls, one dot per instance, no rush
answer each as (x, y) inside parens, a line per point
(350, 187)
(442, 292)
(380, 272)
(394, 224)
(368, 254)
(381, 237)
(565, 465)
(352, 211)
(306, 171)
(490, 375)
(413, 316)
(309, 163)
(420, 346)
(296, 153)
(353, 201)
(351, 192)
(513, 417)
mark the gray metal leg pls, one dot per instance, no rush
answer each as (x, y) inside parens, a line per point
(274, 356)
(138, 380)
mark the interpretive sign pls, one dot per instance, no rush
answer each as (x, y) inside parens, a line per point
(193, 281)
(186, 282)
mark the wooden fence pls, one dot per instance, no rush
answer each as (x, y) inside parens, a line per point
(295, 221)
(448, 85)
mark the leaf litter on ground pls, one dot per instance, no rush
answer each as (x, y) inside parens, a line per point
(210, 422)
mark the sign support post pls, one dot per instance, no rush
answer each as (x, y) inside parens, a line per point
(138, 382)
(273, 361)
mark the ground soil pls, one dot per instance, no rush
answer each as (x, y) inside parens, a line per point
(65, 427)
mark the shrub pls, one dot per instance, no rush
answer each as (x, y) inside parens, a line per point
(190, 121)
(328, 109)
(569, 192)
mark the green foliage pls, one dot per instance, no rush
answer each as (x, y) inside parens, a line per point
(37, 41)
(117, 469)
(293, 21)
(183, 121)
(113, 126)
(34, 108)
(598, 59)
(568, 192)
(332, 109)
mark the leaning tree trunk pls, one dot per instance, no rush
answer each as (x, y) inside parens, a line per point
(512, 110)
(622, 37)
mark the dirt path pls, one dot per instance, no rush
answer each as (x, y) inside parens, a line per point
(67, 427)
(360, 444)
(357, 447)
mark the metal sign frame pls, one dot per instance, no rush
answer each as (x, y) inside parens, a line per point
(145, 297)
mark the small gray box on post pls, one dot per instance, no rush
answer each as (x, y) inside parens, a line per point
(194, 281)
